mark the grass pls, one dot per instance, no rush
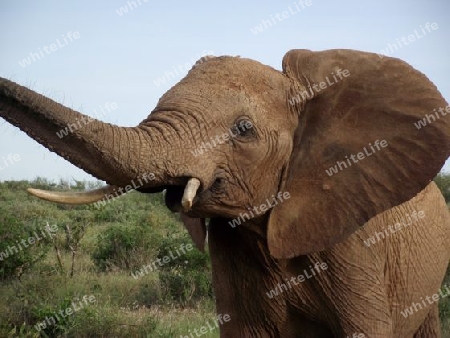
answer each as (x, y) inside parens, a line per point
(124, 306)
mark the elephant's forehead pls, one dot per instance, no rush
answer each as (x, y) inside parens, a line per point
(223, 73)
(224, 80)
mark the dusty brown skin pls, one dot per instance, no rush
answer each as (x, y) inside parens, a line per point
(364, 289)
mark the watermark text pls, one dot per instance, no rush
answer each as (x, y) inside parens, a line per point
(221, 139)
(48, 232)
(182, 250)
(433, 117)
(221, 319)
(261, 209)
(296, 280)
(406, 40)
(378, 236)
(85, 120)
(59, 43)
(275, 19)
(309, 93)
(341, 165)
(9, 160)
(63, 313)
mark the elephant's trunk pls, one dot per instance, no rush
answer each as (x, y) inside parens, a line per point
(117, 155)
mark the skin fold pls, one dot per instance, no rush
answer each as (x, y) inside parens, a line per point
(234, 135)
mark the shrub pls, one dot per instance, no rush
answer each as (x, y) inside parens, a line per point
(125, 247)
(188, 277)
(149, 294)
(443, 182)
(17, 252)
(46, 315)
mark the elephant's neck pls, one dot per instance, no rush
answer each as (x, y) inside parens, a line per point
(243, 271)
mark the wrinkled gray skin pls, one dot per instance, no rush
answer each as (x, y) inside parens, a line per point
(361, 289)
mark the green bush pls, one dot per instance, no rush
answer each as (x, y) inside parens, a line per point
(443, 182)
(149, 294)
(21, 244)
(187, 277)
(125, 247)
(62, 324)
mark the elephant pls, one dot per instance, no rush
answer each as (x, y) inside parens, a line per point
(312, 185)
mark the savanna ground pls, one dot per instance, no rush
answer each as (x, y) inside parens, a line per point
(96, 252)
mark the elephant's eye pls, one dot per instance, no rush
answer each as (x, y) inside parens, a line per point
(243, 128)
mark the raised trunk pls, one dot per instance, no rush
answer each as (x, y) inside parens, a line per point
(120, 156)
(117, 155)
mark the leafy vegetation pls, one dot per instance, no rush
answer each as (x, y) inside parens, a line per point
(443, 182)
(94, 252)
(99, 253)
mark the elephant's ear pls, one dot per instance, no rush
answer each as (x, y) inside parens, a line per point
(372, 136)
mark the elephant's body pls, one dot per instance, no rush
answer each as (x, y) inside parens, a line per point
(364, 290)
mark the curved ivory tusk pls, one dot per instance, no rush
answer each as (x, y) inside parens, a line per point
(189, 193)
(76, 198)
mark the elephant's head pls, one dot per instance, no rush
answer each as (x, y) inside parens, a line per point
(235, 133)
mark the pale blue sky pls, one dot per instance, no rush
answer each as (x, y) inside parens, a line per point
(118, 58)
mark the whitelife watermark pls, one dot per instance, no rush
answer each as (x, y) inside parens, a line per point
(415, 307)
(182, 250)
(341, 165)
(48, 232)
(296, 280)
(405, 41)
(265, 24)
(120, 191)
(180, 70)
(130, 6)
(9, 160)
(432, 118)
(66, 39)
(243, 217)
(309, 93)
(84, 120)
(221, 139)
(221, 319)
(63, 313)
(378, 236)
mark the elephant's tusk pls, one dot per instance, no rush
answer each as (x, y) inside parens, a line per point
(75, 198)
(189, 193)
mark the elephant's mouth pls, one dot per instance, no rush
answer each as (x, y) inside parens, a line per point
(182, 197)
(173, 196)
